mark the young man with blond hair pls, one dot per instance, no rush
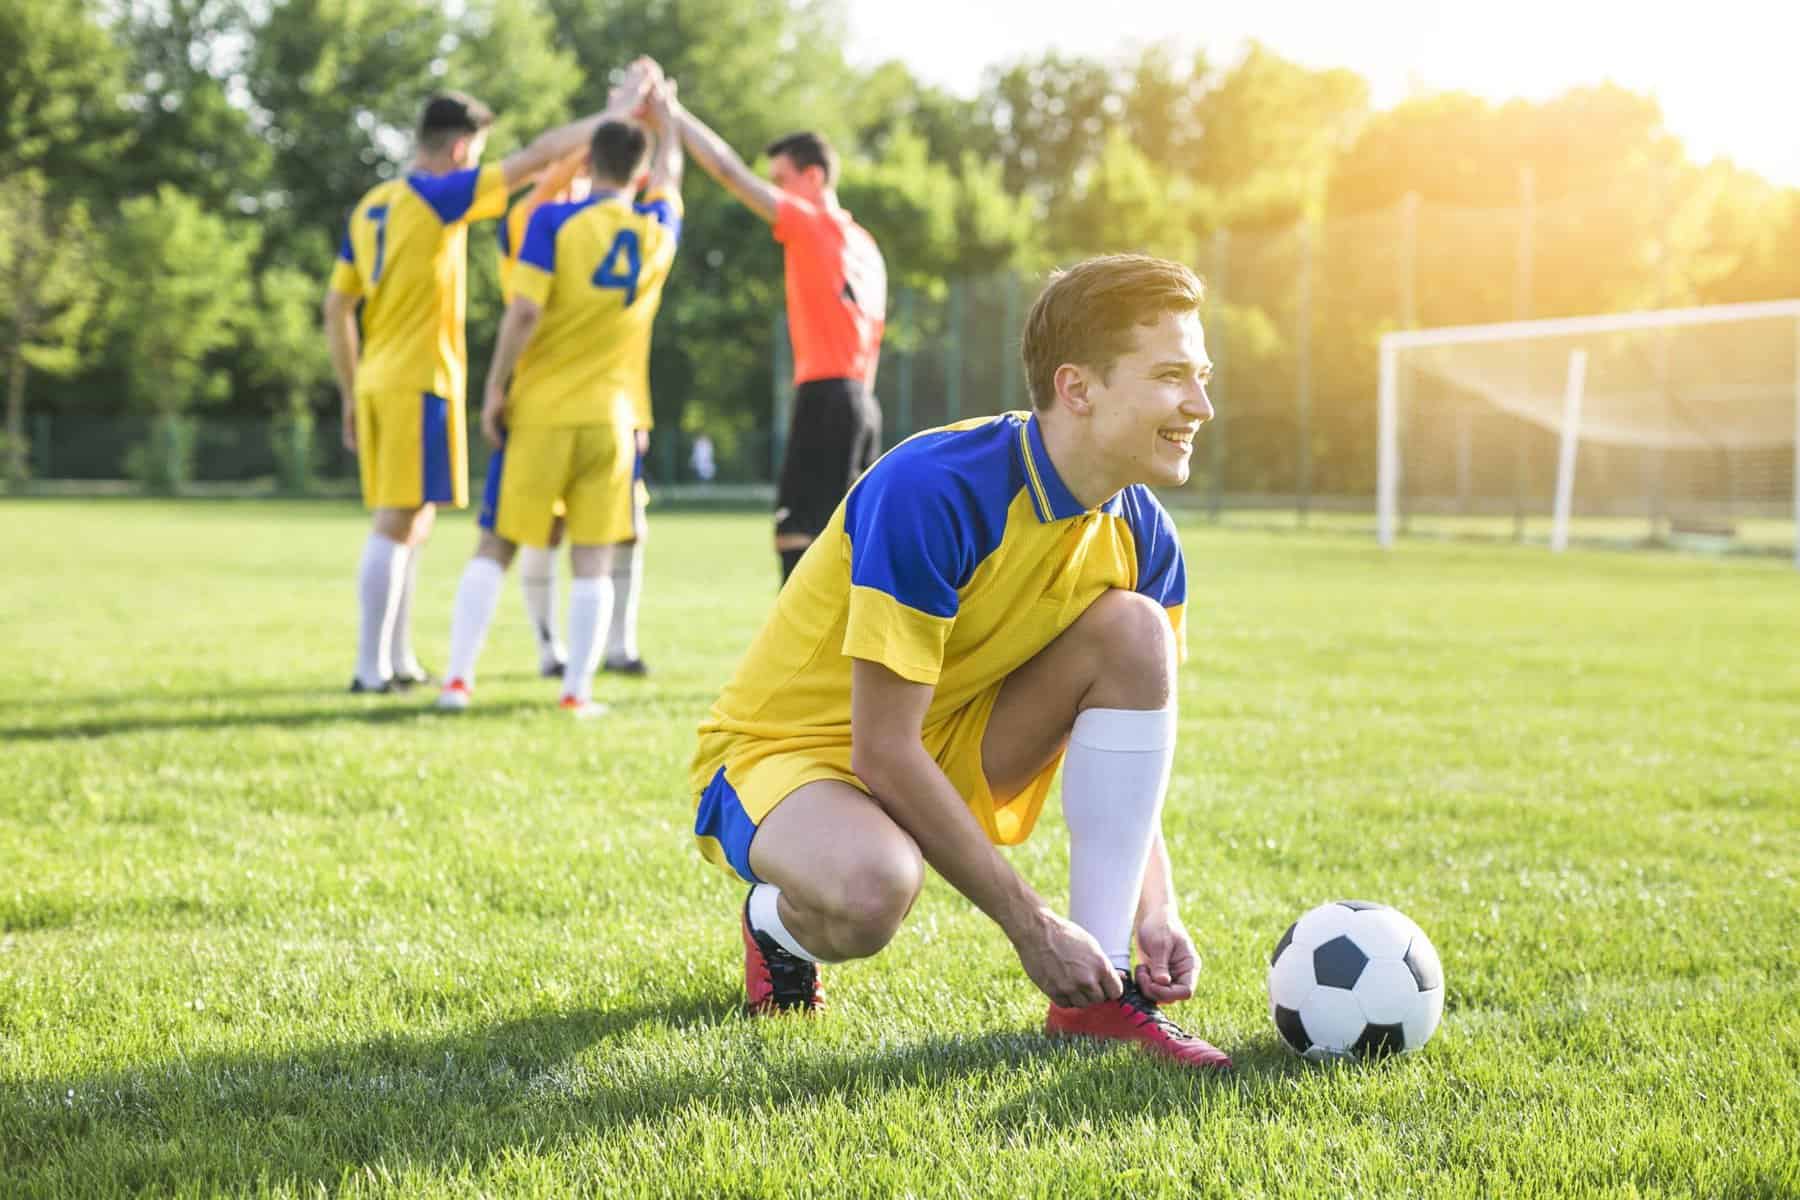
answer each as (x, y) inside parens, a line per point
(1001, 597)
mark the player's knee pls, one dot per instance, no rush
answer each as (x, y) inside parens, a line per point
(1135, 649)
(875, 899)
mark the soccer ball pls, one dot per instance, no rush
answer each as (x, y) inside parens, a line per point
(1351, 978)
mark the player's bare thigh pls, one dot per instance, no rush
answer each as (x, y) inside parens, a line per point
(847, 873)
(1120, 653)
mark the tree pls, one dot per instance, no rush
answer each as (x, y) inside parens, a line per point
(47, 295)
(61, 77)
(285, 358)
(179, 283)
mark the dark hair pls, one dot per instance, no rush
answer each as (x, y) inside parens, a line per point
(807, 150)
(1088, 314)
(618, 151)
(451, 115)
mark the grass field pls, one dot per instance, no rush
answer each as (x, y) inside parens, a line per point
(261, 937)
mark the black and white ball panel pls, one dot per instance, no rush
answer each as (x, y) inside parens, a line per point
(1355, 978)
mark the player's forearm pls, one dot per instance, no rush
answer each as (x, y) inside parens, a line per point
(1157, 895)
(718, 159)
(516, 328)
(913, 790)
(340, 339)
(553, 144)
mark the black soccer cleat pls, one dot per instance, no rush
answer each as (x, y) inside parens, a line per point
(634, 667)
(404, 681)
(776, 980)
(552, 668)
(358, 687)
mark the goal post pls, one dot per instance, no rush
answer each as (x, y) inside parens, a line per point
(1679, 426)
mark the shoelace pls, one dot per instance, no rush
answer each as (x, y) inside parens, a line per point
(790, 975)
(1139, 1003)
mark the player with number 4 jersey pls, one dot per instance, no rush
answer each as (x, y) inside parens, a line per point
(570, 369)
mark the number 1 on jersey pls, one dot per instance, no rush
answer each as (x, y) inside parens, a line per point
(624, 246)
(378, 214)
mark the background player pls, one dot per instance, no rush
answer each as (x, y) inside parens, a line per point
(1000, 593)
(586, 289)
(836, 306)
(403, 381)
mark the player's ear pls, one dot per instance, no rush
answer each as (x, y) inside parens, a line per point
(1071, 386)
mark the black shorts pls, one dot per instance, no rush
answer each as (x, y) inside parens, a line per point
(835, 436)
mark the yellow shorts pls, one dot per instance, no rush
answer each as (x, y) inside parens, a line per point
(734, 797)
(588, 468)
(413, 449)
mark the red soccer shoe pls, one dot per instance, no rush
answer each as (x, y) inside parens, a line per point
(776, 980)
(1134, 1017)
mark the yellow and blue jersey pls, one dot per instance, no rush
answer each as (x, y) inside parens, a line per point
(957, 558)
(405, 254)
(597, 268)
(510, 232)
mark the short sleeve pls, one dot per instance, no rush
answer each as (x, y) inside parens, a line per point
(345, 278)
(1162, 571)
(791, 217)
(539, 247)
(665, 209)
(531, 283)
(491, 194)
(909, 557)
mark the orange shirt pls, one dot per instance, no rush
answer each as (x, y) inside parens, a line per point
(836, 290)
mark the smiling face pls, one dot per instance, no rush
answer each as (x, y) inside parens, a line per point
(1144, 412)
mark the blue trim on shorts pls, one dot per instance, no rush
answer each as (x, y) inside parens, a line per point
(723, 818)
(490, 492)
(434, 450)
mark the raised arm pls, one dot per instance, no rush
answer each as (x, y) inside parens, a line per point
(887, 752)
(553, 144)
(665, 165)
(722, 163)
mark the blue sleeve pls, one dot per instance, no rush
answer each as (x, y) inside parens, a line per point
(665, 215)
(450, 196)
(905, 537)
(344, 252)
(540, 239)
(1162, 573)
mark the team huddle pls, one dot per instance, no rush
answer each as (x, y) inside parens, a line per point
(985, 605)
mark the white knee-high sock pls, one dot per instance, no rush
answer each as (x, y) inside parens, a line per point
(590, 602)
(400, 649)
(477, 595)
(537, 580)
(379, 579)
(765, 917)
(628, 585)
(1114, 779)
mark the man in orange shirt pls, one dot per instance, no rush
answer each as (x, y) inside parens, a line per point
(836, 306)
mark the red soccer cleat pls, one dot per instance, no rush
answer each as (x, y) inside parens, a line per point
(776, 980)
(455, 697)
(1134, 1017)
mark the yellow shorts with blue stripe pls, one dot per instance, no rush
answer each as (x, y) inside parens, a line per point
(733, 798)
(412, 448)
(589, 469)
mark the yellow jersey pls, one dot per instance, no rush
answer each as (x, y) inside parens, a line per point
(405, 255)
(953, 561)
(597, 268)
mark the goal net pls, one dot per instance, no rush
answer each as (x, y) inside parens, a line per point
(1658, 428)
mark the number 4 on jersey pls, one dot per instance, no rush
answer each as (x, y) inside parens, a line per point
(609, 275)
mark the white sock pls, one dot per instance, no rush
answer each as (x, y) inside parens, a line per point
(590, 603)
(628, 585)
(400, 650)
(1114, 778)
(477, 595)
(765, 917)
(537, 580)
(378, 581)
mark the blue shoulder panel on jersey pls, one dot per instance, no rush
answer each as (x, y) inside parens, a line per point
(344, 252)
(1162, 573)
(930, 510)
(665, 215)
(540, 234)
(450, 196)
(504, 237)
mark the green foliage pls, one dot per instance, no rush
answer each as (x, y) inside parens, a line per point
(61, 77)
(178, 286)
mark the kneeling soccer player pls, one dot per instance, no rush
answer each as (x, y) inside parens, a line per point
(991, 598)
(586, 290)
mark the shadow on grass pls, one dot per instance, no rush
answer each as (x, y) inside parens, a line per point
(454, 1103)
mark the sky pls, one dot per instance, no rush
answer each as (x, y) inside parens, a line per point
(1726, 72)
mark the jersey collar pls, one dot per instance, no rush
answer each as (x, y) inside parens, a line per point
(1051, 498)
